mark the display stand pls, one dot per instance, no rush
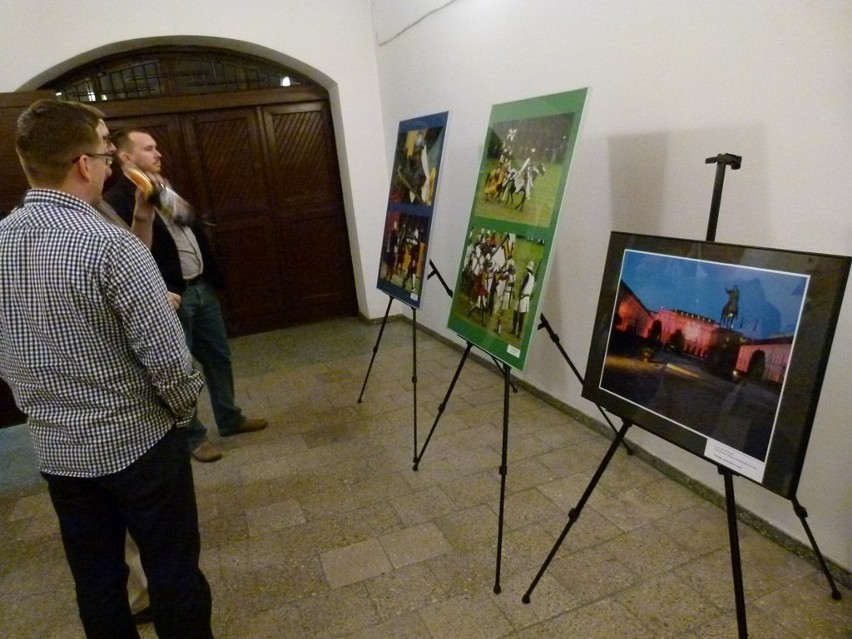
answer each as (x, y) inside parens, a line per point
(734, 161)
(722, 161)
(436, 273)
(449, 291)
(413, 362)
(507, 385)
(376, 347)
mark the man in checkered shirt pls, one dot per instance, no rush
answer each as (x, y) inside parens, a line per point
(97, 359)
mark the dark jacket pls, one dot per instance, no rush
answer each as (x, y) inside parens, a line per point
(163, 249)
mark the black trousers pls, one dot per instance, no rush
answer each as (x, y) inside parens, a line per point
(153, 499)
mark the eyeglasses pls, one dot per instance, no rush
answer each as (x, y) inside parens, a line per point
(108, 157)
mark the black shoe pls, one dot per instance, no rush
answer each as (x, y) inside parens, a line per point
(143, 616)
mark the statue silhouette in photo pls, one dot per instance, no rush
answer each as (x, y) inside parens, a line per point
(730, 310)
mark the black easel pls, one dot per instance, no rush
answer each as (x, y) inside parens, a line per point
(734, 161)
(722, 161)
(443, 405)
(507, 384)
(449, 291)
(413, 362)
(544, 324)
(376, 348)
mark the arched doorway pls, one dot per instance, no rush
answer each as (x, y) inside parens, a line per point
(251, 144)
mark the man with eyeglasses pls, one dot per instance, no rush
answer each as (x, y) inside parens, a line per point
(97, 360)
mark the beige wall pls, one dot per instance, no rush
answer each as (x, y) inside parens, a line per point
(671, 84)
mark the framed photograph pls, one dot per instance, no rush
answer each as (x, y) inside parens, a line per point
(718, 348)
(527, 153)
(411, 201)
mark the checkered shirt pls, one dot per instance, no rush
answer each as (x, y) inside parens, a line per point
(92, 349)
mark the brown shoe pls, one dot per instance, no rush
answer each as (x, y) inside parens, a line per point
(248, 425)
(206, 451)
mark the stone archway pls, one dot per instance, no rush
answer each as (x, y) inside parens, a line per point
(258, 160)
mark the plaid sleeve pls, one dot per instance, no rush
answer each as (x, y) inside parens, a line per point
(136, 291)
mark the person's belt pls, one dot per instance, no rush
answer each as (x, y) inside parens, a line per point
(194, 280)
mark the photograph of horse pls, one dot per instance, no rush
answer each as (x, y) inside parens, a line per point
(521, 171)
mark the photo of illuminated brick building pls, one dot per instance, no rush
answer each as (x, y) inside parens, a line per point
(704, 345)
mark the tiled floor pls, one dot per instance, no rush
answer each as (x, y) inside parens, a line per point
(319, 526)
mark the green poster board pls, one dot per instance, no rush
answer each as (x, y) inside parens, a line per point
(516, 205)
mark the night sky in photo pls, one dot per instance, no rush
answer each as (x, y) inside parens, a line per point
(769, 301)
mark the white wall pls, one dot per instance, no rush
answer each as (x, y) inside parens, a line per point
(671, 83)
(331, 41)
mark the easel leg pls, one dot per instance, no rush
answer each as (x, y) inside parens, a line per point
(543, 323)
(736, 564)
(500, 368)
(802, 514)
(436, 273)
(414, 372)
(574, 513)
(504, 468)
(443, 404)
(376, 348)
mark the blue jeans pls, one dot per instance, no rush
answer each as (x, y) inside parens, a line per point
(201, 317)
(153, 499)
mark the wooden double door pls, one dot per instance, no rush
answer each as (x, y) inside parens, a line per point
(265, 177)
(261, 168)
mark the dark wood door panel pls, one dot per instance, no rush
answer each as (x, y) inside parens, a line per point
(228, 159)
(303, 155)
(13, 181)
(254, 300)
(321, 245)
(229, 164)
(306, 183)
(13, 185)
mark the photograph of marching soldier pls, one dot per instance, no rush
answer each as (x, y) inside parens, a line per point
(402, 252)
(500, 280)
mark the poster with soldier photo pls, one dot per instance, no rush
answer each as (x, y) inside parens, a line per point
(516, 205)
(414, 180)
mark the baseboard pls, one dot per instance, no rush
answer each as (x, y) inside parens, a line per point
(760, 525)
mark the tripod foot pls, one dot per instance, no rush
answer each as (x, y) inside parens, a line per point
(835, 595)
(416, 463)
(497, 589)
(525, 599)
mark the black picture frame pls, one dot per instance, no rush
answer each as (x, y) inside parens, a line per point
(720, 349)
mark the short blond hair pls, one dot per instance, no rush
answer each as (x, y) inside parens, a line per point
(51, 134)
